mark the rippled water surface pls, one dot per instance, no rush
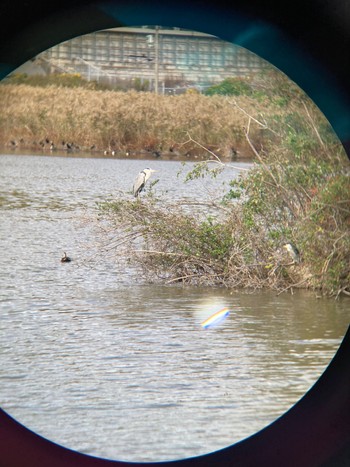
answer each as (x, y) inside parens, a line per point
(95, 359)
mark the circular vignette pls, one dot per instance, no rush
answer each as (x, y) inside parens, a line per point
(315, 431)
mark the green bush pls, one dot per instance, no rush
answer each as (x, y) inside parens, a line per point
(230, 87)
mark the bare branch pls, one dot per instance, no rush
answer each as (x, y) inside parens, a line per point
(217, 158)
(263, 125)
(293, 285)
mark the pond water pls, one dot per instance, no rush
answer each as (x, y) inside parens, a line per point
(97, 360)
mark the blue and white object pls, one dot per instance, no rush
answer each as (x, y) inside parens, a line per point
(216, 318)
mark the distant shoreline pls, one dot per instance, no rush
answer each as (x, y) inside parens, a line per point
(190, 126)
(6, 151)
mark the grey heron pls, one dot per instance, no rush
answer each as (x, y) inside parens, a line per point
(141, 180)
(293, 252)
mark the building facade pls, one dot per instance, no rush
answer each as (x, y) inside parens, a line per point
(165, 59)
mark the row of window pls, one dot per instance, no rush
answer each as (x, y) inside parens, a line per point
(135, 49)
(165, 58)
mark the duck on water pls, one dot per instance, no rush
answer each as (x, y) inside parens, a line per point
(65, 258)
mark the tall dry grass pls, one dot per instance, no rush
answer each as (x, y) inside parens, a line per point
(125, 120)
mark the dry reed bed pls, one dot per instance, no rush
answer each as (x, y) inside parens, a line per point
(125, 120)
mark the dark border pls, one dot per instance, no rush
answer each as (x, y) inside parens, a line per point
(309, 41)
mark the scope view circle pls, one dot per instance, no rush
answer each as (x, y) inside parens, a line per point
(314, 432)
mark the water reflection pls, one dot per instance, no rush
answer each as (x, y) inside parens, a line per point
(98, 361)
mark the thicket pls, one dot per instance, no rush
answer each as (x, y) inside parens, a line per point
(125, 121)
(298, 191)
(68, 80)
(75, 80)
(231, 87)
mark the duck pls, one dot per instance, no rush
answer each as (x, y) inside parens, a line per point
(65, 258)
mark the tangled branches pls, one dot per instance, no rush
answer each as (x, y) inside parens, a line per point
(297, 191)
(174, 246)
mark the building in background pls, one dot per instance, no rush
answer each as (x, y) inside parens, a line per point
(157, 59)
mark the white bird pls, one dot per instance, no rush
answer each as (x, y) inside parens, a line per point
(141, 180)
(293, 251)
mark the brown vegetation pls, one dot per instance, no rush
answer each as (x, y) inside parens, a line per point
(173, 245)
(31, 117)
